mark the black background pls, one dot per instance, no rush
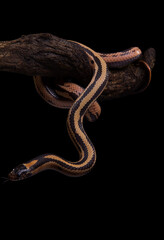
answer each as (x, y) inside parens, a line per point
(127, 135)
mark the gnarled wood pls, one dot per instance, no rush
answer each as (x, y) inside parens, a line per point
(59, 60)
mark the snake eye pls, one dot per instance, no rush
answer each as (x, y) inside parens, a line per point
(92, 62)
(18, 173)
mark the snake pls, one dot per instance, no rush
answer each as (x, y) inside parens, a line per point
(82, 104)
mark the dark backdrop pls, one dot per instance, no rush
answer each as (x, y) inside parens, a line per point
(126, 135)
(123, 133)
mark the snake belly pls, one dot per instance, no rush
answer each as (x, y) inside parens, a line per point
(87, 153)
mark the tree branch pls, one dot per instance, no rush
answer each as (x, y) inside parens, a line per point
(59, 60)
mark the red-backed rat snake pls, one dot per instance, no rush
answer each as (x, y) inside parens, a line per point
(84, 105)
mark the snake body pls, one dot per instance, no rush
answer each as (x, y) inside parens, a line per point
(83, 105)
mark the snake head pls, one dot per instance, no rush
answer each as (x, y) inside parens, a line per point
(19, 173)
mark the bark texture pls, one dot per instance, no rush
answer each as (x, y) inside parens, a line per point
(59, 60)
